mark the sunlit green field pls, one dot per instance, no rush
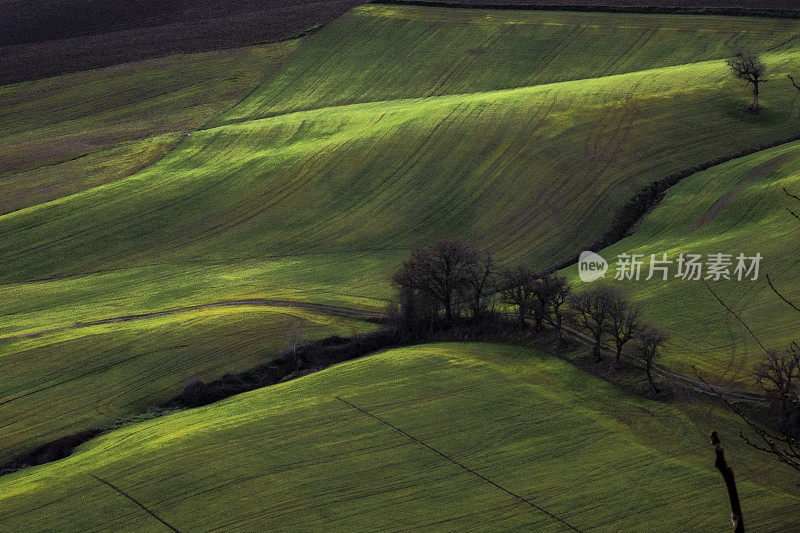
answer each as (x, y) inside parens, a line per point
(293, 456)
(738, 207)
(67, 381)
(520, 132)
(61, 135)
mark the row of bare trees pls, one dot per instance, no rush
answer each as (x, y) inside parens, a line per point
(452, 281)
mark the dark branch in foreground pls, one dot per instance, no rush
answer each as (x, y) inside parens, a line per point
(730, 483)
(790, 195)
(784, 448)
(781, 296)
(736, 316)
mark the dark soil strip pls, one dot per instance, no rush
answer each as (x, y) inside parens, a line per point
(137, 502)
(628, 217)
(49, 38)
(460, 465)
(724, 8)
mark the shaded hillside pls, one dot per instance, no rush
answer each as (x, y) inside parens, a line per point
(61, 135)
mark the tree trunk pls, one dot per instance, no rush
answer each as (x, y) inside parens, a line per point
(559, 330)
(730, 484)
(619, 353)
(597, 355)
(522, 317)
(650, 378)
(755, 97)
(448, 310)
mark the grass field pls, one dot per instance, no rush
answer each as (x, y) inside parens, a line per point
(61, 135)
(294, 456)
(365, 143)
(67, 381)
(738, 207)
(377, 53)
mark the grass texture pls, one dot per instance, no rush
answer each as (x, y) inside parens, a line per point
(737, 207)
(294, 456)
(520, 132)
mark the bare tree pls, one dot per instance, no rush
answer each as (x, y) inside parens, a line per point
(779, 376)
(481, 281)
(650, 339)
(518, 286)
(747, 66)
(441, 272)
(785, 448)
(591, 310)
(623, 323)
(559, 295)
(540, 300)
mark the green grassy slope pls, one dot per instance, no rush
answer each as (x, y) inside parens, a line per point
(57, 384)
(305, 192)
(376, 52)
(65, 134)
(321, 205)
(738, 207)
(293, 456)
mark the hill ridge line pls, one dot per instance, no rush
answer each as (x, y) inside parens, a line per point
(410, 100)
(605, 8)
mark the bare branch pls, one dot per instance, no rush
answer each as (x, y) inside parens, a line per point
(730, 483)
(781, 296)
(737, 317)
(788, 457)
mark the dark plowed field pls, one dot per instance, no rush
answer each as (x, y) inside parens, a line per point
(57, 36)
(51, 37)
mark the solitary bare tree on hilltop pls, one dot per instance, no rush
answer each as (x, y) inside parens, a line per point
(748, 66)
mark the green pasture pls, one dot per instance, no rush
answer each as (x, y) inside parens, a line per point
(739, 207)
(519, 132)
(69, 133)
(293, 456)
(74, 379)
(377, 53)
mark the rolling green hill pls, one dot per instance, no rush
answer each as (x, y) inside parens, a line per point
(319, 183)
(296, 456)
(61, 135)
(76, 379)
(377, 53)
(738, 207)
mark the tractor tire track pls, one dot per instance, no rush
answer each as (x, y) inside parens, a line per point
(333, 310)
(460, 465)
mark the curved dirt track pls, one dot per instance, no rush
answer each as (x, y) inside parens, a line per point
(332, 310)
